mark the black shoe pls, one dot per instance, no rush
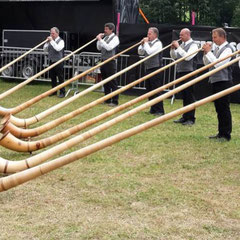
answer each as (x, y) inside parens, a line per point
(180, 120)
(158, 114)
(62, 95)
(220, 137)
(112, 104)
(188, 122)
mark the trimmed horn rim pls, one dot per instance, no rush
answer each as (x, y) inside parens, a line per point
(5, 120)
(3, 135)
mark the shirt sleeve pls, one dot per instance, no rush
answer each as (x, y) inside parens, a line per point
(173, 53)
(45, 47)
(141, 50)
(57, 46)
(108, 46)
(209, 57)
(151, 50)
(99, 46)
(183, 53)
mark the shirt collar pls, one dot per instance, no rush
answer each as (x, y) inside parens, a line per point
(153, 41)
(112, 34)
(222, 45)
(57, 38)
(187, 42)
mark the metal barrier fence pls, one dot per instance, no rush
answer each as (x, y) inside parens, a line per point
(38, 60)
(86, 60)
(31, 64)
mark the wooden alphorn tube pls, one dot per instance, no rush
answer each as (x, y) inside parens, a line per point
(15, 144)
(22, 56)
(20, 85)
(17, 109)
(29, 174)
(38, 117)
(26, 133)
(7, 166)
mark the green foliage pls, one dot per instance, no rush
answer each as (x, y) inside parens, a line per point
(236, 16)
(208, 12)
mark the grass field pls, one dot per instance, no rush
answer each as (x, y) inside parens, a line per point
(169, 182)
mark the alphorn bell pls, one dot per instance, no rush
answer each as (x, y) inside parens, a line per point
(12, 143)
(4, 111)
(22, 56)
(29, 174)
(26, 133)
(20, 85)
(7, 166)
(36, 118)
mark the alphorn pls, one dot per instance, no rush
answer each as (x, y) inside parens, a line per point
(13, 143)
(7, 166)
(26, 122)
(8, 122)
(26, 133)
(4, 111)
(29, 174)
(22, 56)
(20, 85)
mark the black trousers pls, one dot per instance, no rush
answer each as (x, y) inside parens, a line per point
(107, 70)
(57, 72)
(151, 84)
(188, 97)
(222, 107)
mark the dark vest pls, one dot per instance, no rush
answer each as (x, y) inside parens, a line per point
(107, 54)
(185, 66)
(226, 73)
(54, 55)
(155, 61)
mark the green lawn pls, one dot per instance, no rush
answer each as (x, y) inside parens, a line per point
(169, 182)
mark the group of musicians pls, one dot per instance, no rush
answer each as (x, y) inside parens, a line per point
(107, 43)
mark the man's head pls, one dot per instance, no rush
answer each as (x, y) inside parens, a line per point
(219, 36)
(152, 33)
(185, 35)
(109, 28)
(54, 32)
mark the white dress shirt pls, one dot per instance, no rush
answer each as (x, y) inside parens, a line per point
(57, 46)
(174, 52)
(210, 57)
(108, 46)
(150, 50)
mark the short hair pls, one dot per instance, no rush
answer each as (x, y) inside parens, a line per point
(155, 30)
(221, 32)
(55, 29)
(110, 25)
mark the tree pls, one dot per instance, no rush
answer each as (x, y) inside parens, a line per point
(208, 12)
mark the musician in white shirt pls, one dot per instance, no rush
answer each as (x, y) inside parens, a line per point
(107, 44)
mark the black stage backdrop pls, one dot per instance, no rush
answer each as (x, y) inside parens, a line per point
(82, 20)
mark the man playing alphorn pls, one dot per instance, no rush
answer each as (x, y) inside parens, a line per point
(55, 49)
(178, 51)
(150, 45)
(220, 81)
(107, 43)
